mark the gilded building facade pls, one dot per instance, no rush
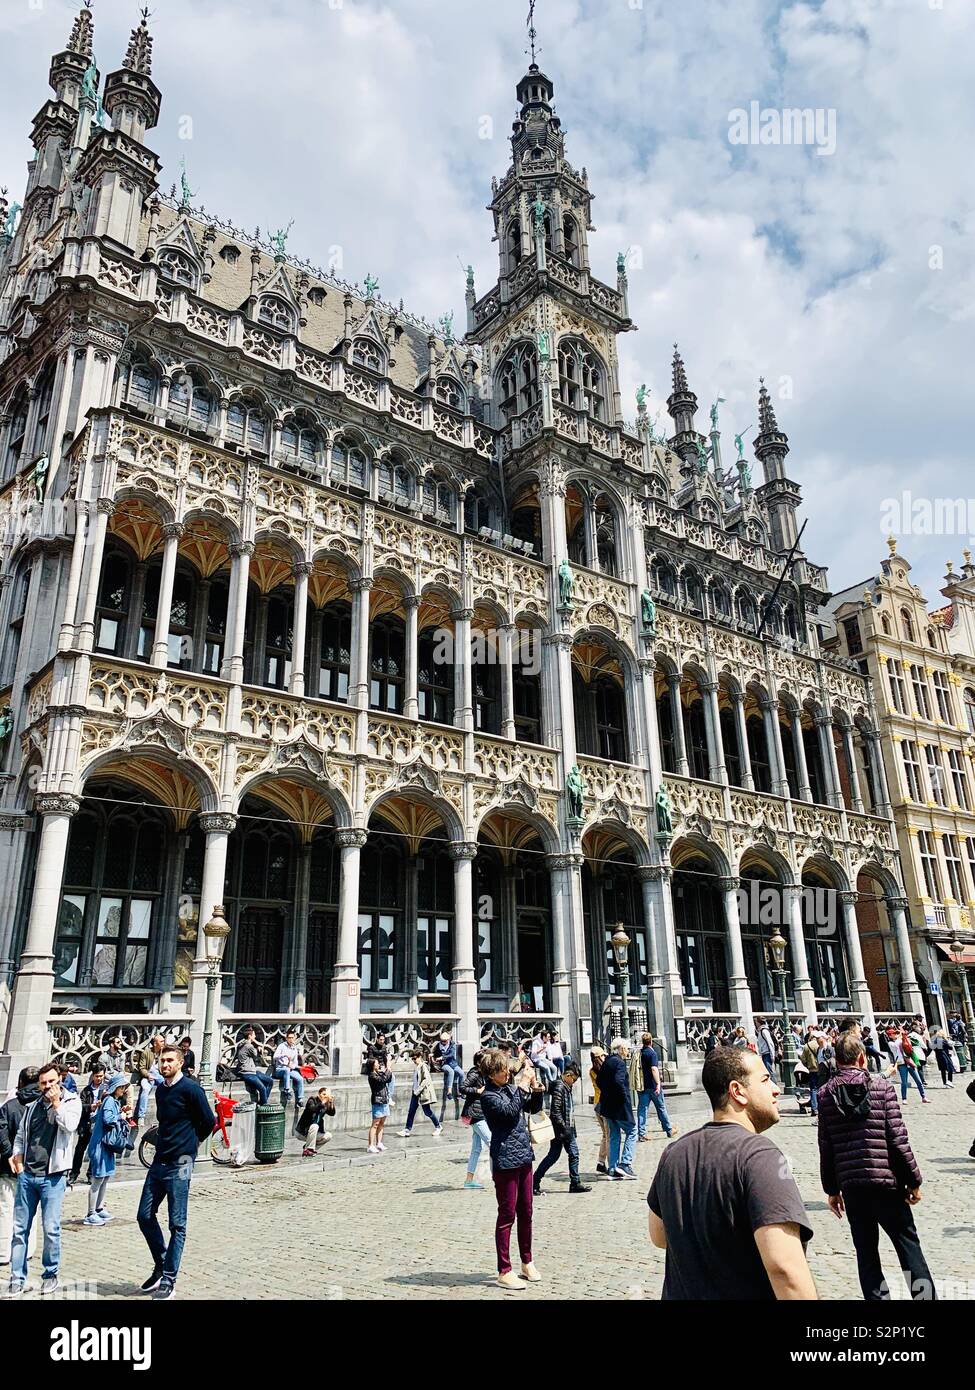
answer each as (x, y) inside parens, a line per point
(405, 648)
(922, 666)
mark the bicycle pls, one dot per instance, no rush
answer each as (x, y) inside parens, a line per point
(219, 1152)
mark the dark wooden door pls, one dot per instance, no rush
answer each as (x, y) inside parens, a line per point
(716, 966)
(319, 960)
(257, 975)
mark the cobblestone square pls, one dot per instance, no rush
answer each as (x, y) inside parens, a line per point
(401, 1225)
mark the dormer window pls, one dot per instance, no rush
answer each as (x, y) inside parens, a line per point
(367, 353)
(276, 313)
(450, 391)
(230, 253)
(316, 297)
(176, 266)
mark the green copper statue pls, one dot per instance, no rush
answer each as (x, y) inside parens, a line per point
(470, 278)
(89, 83)
(446, 322)
(565, 585)
(8, 226)
(714, 413)
(186, 193)
(641, 398)
(648, 612)
(621, 263)
(575, 789)
(744, 476)
(702, 457)
(39, 476)
(538, 208)
(279, 239)
(665, 820)
(372, 285)
(544, 348)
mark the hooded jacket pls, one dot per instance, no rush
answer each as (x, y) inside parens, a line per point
(471, 1087)
(862, 1138)
(11, 1114)
(67, 1117)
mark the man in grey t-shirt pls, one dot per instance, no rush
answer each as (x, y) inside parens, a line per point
(723, 1203)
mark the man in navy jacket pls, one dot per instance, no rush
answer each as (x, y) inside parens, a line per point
(616, 1108)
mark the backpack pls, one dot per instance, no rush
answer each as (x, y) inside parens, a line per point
(117, 1138)
(827, 1065)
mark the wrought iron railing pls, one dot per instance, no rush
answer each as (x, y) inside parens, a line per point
(699, 1026)
(516, 1028)
(314, 1036)
(404, 1032)
(78, 1039)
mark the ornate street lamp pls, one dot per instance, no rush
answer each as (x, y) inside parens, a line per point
(777, 949)
(216, 932)
(621, 951)
(957, 952)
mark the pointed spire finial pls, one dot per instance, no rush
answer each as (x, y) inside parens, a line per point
(767, 422)
(892, 545)
(532, 32)
(679, 375)
(82, 32)
(138, 55)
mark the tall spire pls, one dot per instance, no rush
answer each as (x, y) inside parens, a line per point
(532, 32)
(679, 375)
(82, 32)
(767, 422)
(138, 55)
(778, 495)
(681, 406)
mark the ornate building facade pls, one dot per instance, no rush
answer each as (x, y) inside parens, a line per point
(923, 669)
(408, 651)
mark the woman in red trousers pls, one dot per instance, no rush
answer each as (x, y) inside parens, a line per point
(505, 1103)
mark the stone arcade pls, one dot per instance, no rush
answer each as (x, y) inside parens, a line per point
(245, 505)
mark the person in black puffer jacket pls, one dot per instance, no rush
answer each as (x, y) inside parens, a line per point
(311, 1124)
(563, 1122)
(472, 1114)
(504, 1105)
(10, 1116)
(869, 1171)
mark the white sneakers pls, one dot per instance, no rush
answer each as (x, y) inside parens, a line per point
(531, 1274)
(511, 1281)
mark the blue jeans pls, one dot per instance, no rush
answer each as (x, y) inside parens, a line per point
(414, 1107)
(644, 1100)
(260, 1082)
(621, 1132)
(453, 1078)
(287, 1079)
(172, 1181)
(48, 1193)
(560, 1145)
(912, 1072)
(480, 1138)
(142, 1099)
(813, 1096)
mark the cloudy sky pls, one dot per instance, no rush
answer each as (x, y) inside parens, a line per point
(846, 278)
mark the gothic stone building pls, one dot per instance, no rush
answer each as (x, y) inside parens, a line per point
(249, 509)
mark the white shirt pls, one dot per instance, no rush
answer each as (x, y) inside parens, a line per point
(285, 1056)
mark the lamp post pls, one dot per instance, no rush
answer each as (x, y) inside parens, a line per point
(777, 949)
(216, 932)
(621, 952)
(957, 952)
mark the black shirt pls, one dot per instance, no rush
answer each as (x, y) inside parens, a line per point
(39, 1140)
(712, 1190)
(184, 1117)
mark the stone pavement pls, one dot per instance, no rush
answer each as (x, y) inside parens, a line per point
(401, 1226)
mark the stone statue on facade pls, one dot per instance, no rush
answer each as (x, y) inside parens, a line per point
(544, 345)
(648, 613)
(701, 462)
(89, 83)
(11, 220)
(744, 476)
(446, 323)
(621, 263)
(641, 399)
(575, 789)
(538, 210)
(470, 278)
(6, 725)
(372, 285)
(279, 239)
(39, 476)
(565, 584)
(662, 807)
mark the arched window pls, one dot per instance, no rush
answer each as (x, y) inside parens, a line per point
(396, 481)
(43, 395)
(387, 664)
(112, 891)
(604, 523)
(141, 382)
(969, 699)
(349, 466)
(367, 353)
(514, 244)
(182, 614)
(747, 612)
(518, 381)
(581, 379)
(527, 684)
(907, 626)
(434, 923)
(885, 624)
(16, 430)
(450, 391)
(663, 577)
(720, 602)
(435, 678)
(114, 592)
(247, 425)
(278, 638)
(301, 444)
(692, 592)
(276, 313)
(486, 683)
(439, 501)
(932, 641)
(336, 652)
(191, 401)
(570, 239)
(600, 717)
(176, 266)
(18, 608)
(790, 622)
(380, 909)
(218, 597)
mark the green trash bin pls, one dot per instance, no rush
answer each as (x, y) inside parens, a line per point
(269, 1137)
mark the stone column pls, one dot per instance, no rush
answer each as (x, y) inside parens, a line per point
(912, 1001)
(347, 1040)
(849, 751)
(30, 1005)
(302, 572)
(656, 993)
(741, 999)
(773, 740)
(172, 532)
(86, 628)
(659, 903)
(411, 698)
(359, 673)
(798, 743)
(571, 995)
(463, 983)
(874, 750)
(824, 728)
(716, 763)
(217, 826)
(859, 989)
(508, 925)
(240, 568)
(803, 993)
(505, 639)
(741, 728)
(677, 720)
(463, 681)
